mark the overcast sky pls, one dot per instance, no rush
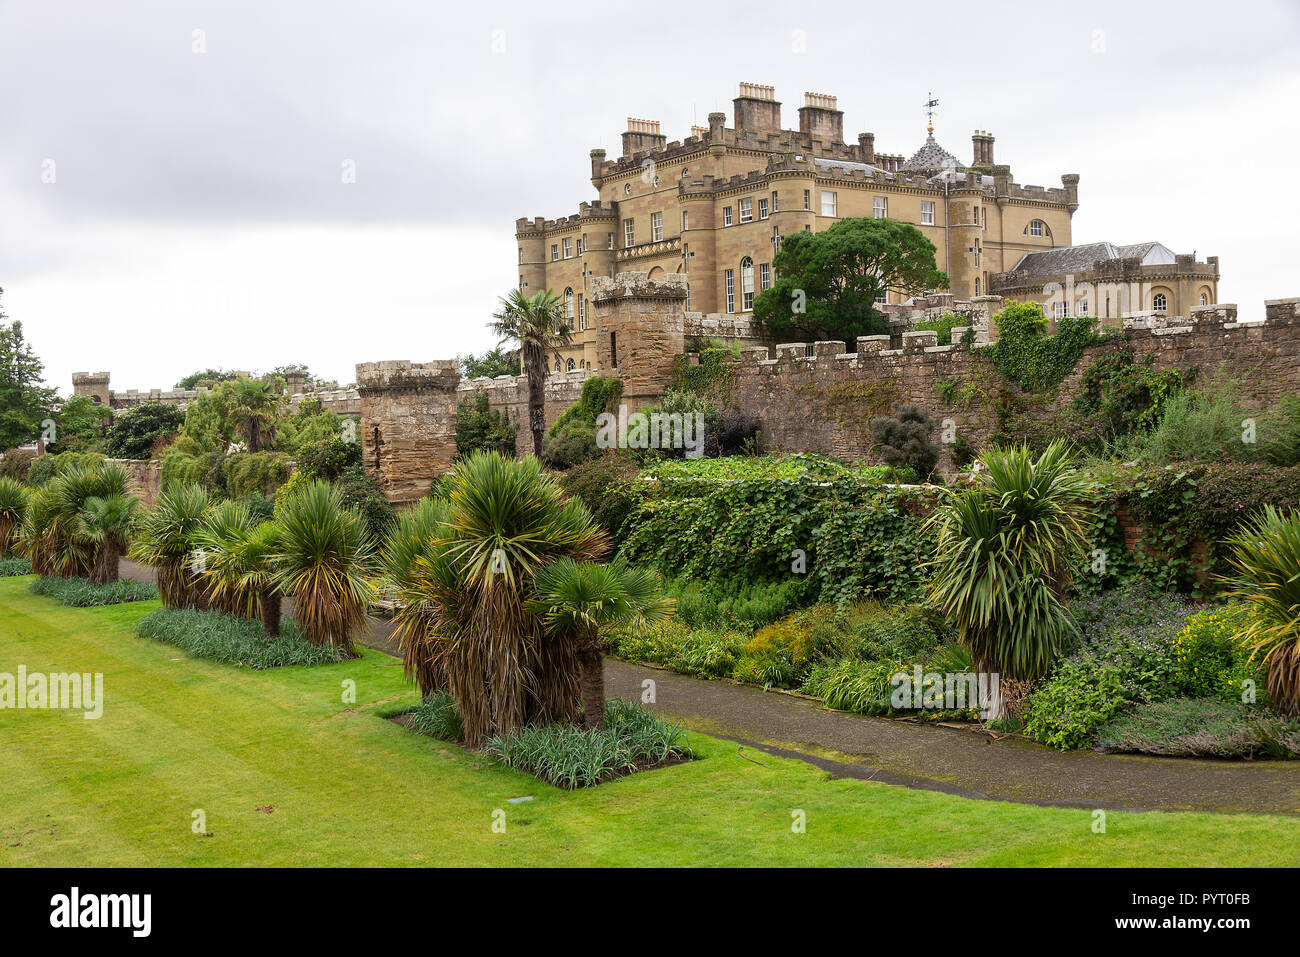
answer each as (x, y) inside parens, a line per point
(198, 214)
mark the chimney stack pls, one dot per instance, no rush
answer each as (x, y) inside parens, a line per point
(820, 118)
(642, 135)
(982, 147)
(867, 147)
(757, 109)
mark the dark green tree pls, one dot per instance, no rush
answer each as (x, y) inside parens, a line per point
(491, 364)
(133, 433)
(828, 282)
(25, 402)
(80, 425)
(205, 377)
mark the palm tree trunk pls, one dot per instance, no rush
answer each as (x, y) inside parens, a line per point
(993, 704)
(269, 603)
(593, 689)
(534, 360)
(105, 567)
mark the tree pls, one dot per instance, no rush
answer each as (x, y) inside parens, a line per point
(464, 568)
(581, 601)
(24, 402)
(828, 282)
(1265, 562)
(491, 364)
(134, 432)
(904, 439)
(207, 378)
(322, 560)
(538, 325)
(254, 407)
(13, 506)
(1003, 554)
(80, 425)
(165, 540)
(106, 523)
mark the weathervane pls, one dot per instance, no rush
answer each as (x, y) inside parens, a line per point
(930, 104)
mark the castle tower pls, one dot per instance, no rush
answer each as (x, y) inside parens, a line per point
(408, 423)
(640, 329)
(93, 384)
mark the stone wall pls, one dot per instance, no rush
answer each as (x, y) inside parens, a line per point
(824, 402)
(145, 478)
(509, 394)
(408, 423)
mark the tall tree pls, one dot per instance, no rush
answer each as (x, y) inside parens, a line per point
(490, 364)
(255, 405)
(24, 401)
(538, 325)
(828, 283)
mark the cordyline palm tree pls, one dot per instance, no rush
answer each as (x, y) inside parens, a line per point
(13, 506)
(165, 539)
(580, 601)
(254, 406)
(38, 532)
(540, 328)
(1003, 556)
(414, 549)
(322, 559)
(225, 526)
(467, 591)
(256, 557)
(71, 552)
(1265, 562)
(105, 522)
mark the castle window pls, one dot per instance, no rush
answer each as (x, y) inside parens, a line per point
(807, 198)
(570, 366)
(582, 243)
(627, 189)
(1159, 302)
(686, 220)
(977, 285)
(828, 203)
(730, 279)
(726, 215)
(879, 207)
(776, 205)
(582, 312)
(568, 247)
(688, 297)
(1205, 300)
(656, 227)
(611, 240)
(776, 241)
(557, 365)
(746, 210)
(1036, 227)
(521, 255)
(762, 209)
(1060, 310)
(765, 276)
(555, 252)
(927, 214)
(656, 180)
(746, 284)
(613, 350)
(1083, 307)
(568, 304)
(629, 233)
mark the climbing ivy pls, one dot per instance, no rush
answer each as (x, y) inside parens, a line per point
(1026, 355)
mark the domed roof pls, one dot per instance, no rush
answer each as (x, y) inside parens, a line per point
(931, 158)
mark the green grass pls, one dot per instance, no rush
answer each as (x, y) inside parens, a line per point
(344, 787)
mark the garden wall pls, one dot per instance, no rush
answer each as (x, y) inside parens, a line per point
(825, 401)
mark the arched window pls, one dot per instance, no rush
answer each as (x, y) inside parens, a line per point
(1205, 299)
(557, 365)
(569, 367)
(746, 284)
(1037, 227)
(1159, 303)
(568, 304)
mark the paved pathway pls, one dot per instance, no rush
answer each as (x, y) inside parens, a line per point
(963, 762)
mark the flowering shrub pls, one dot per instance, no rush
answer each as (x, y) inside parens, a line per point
(1210, 663)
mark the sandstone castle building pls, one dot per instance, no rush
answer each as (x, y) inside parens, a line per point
(715, 206)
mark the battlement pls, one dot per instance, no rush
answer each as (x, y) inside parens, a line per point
(587, 213)
(402, 374)
(637, 285)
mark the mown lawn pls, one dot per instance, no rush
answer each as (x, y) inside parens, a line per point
(286, 773)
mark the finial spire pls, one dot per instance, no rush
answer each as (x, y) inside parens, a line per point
(930, 104)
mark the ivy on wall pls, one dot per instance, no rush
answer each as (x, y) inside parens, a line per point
(1026, 355)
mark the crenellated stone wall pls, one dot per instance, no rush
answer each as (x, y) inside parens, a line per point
(408, 423)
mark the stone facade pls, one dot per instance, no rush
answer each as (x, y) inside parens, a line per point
(408, 423)
(713, 207)
(343, 401)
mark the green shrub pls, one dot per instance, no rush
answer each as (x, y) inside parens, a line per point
(80, 593)
(479, 426)
(245, 473)
(877, 632)
(134, 432)
(45, 467)
(1279, 433)
(710, 652)
(656, 644)
(1211, 664)
(739, 607)
(236, 641)
(1201, 728)
(359, 491)
(570, 757)
(572, 445)
(437, 717)
(1067, 712)
(17, 464)
(1201, 426)
(943, 327)
(599, 394)
(850, 684)
(328, 458)
(13, 565)
(602, 485)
